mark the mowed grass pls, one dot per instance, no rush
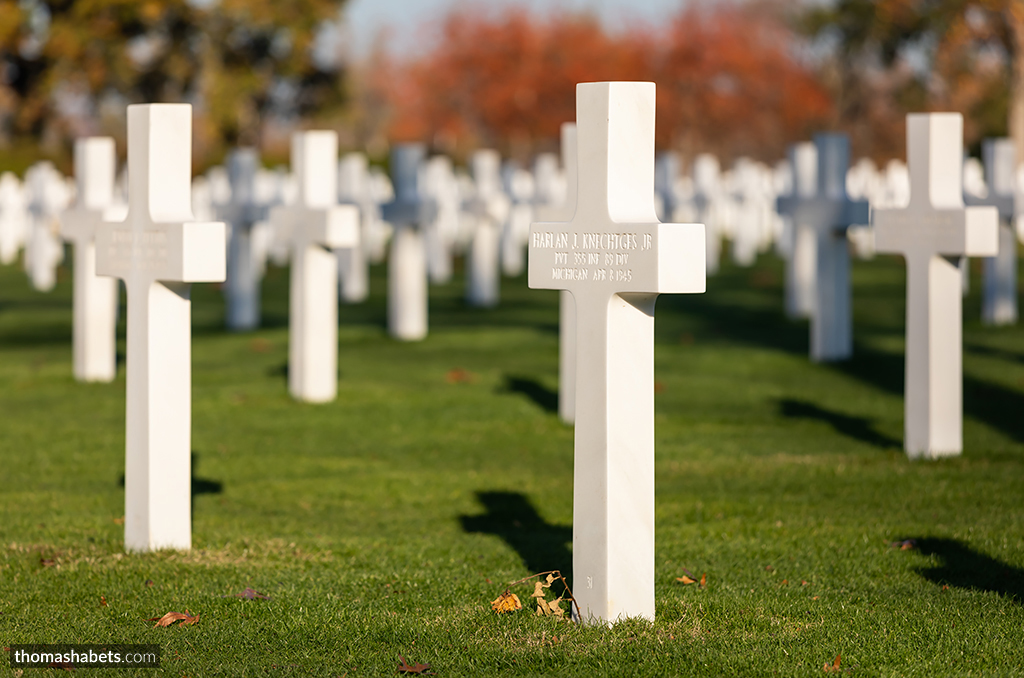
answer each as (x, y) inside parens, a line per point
(384, 523)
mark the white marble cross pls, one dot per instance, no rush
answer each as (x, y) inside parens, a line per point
(94, 308)
(708, 203)
(245, 269)
(47, 197)
(999, 289)
(315, 221)
(353, 189)
(13, 217)
(409, 213)
(615, 257)
(566, 304)
(931, 233)
(827, 214)
(800, 239)
(438, 182)
(490, 206)
(159, 251)
(516, 234)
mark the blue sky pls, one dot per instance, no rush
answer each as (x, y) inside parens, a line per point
(406, 18)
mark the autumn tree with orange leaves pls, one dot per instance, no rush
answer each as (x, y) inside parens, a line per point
(972, 52)
(727, 82)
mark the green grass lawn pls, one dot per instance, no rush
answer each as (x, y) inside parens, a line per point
(383, 524)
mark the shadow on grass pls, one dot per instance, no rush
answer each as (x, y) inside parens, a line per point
(965, 568)
(988, 351)
(994, 404)
(512, 517)
(541, 395)
(858, 428)
(199, 485)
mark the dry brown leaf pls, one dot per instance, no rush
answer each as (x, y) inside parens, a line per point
(538, 589)
(686, 580)
(185, 618)
(506, 602)
(704, 580)
(833, 667)
(47, 562)
(418, 669)
(259, 345)
(459, 376)
(103, 601)
(905, 545)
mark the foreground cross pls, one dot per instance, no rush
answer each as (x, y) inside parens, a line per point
(314, 222)
(615, 257)
(158, 251)
(827, 213)
(94, 308)
(932, 232)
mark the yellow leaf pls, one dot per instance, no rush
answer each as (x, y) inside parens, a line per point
(686, 580)
(506, 602)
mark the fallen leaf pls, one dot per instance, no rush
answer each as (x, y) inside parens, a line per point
(803, 582)
(47, 562)
(686, 580)
(833, 667)
(149, 582)
(103, 601)
(945, 587)
(704, 580)
(905, 545)
(248, 594)
(119, 521)
(459, 376)
(185, 618)
(419, 669)
(506, 602)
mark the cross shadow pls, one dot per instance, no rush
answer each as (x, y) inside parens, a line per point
(542, 396)
(858, 428)
(991, 352)
(512, 517)
(965, 568)
(199, 485)
(994, 404)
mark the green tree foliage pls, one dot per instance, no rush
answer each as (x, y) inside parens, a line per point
(904, 55)
(237, 60)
